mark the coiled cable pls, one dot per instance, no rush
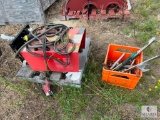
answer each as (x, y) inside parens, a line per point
(41, 33)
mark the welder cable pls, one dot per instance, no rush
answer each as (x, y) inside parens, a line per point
(61, 62)
(40, 46)
(50, 57)
(28, 42)
(36, 37)
(48, 43)
(60, 31)
(66, 52)
(59, 26)
(58, 50)
(44, 53)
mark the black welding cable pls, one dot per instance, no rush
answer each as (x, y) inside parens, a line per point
(49, 35)
(18, 51)
(44, 53)
(66, 52)
(58, 50)
(61, 31)
(44, 48)
(35, 37)
(50, 57)
(61, 27)
(39, 45)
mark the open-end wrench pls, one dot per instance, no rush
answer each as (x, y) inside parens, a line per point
(142, 65)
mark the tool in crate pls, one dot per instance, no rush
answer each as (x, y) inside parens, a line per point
(132, 57)
(93, 9)
(123, 65)
(52, 53)
(119, 78)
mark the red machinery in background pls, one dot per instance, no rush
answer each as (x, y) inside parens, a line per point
(52, 52)
(92, 9)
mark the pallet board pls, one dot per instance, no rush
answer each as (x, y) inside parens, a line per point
(23, 11)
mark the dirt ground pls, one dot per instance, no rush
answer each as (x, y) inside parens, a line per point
(15, 107)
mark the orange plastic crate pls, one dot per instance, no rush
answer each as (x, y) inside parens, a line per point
(126, 80)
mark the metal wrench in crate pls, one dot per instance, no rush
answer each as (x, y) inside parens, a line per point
(142, 65)
(134, 55)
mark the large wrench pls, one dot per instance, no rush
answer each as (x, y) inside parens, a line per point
(142, 65)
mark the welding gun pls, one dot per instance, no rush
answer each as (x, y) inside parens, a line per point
(134, 55)
(46, 88)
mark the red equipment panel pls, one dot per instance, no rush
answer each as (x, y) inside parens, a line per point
(99, 9)
(78, 35)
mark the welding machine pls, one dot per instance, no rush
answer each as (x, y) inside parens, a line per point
(52, 53)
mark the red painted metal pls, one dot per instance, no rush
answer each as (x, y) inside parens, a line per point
(101, 9)
(38, 64)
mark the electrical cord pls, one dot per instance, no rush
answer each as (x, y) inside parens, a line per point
(41, 33)
(28, 42)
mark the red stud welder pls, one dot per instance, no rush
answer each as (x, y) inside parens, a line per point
(52, 52)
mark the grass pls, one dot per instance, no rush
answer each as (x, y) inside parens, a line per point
(97, 100)
(20, 89)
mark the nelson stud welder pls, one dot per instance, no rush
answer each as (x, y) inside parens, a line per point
(52, 53)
